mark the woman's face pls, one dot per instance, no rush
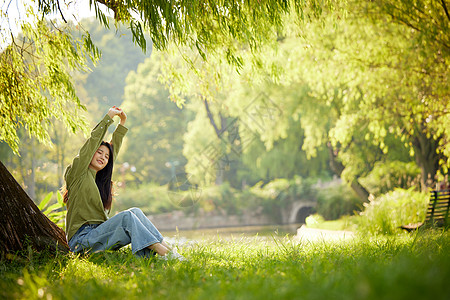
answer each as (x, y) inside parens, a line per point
(100, 158)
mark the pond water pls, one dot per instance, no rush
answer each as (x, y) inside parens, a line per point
(235, 232)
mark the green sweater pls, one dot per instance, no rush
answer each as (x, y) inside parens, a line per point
(85, 204)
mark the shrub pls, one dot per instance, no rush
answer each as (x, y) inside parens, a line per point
(386, 213)
(151, 198)
(386, 177)
(222, 198)
(336, 201)
(56, 212)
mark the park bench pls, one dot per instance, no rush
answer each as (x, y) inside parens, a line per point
(437, 211)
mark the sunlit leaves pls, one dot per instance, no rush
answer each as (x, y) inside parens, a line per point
(364, 86)
(36, 81)
(211, 25)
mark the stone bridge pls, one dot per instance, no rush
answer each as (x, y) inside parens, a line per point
(297, 211)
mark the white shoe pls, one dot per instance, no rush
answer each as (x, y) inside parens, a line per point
(172, 255)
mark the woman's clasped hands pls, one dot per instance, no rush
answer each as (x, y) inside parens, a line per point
(117, 111)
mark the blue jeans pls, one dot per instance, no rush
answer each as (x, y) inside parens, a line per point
(129, 226)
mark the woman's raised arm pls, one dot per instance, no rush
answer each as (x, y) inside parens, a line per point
(119, 133)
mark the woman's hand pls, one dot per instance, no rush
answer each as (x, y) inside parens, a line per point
(114, 111)
(123, 117)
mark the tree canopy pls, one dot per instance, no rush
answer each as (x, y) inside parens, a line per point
(371, 87)
(35, 69)
(367, 80)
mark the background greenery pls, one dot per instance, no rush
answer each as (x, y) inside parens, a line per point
(362, 97)
(258, 108)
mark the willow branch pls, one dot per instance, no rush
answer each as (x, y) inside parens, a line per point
(60, 11)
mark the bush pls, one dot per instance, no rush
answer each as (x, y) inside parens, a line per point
(221, 198)
(151, 198)
(386, 177)
(385, 214)
(336, 201)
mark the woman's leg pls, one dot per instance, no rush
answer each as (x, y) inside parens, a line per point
(120, 230)
(161, 248)
(145, 221)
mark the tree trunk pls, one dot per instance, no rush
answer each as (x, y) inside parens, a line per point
(32, 180)
(338, 168)
(22, 223)
(427, 158)
(219, 132)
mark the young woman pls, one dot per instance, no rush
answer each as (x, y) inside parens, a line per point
(88, 196)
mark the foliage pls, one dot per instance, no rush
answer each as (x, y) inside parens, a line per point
(346, 223)
(157, 125)
(410, 267)
(36, 72)
(242, 132)
(206, 25)
(280, 193)
(106, 83)
(336, 201)
(223, 199)
(401, 96)
(35, 81)
(55, 212)
(40, 168)
(150, 197)
(390, 175)
(270, 198)
(386, 213)
(212, 144)
(284, 159)
(351, 83)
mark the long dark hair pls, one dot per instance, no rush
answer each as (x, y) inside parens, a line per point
(102, 179)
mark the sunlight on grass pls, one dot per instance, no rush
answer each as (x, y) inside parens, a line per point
(396, 267)
(82, 270)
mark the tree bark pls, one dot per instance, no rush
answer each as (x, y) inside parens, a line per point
(219, 133)
(338, 168)
(22, 223)
(427, 158)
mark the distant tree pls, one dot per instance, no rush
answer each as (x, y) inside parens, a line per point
(106, 83)
(156, 139)
(376, 88)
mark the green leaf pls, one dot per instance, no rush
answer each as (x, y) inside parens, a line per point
(51, 208)
(45, 201)
(59, 198)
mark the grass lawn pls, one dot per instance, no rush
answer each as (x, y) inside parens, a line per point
(403, 267)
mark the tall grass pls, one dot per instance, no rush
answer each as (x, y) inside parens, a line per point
(406, 267)
(385, 214)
